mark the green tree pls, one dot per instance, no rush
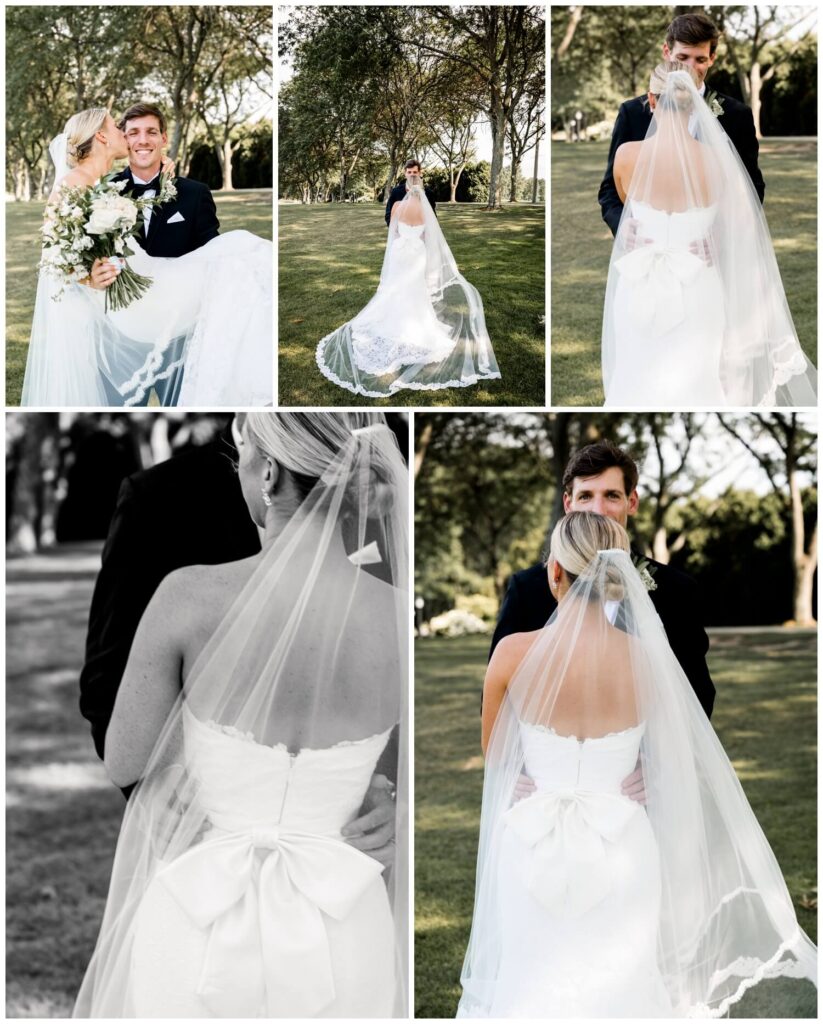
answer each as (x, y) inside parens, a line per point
(785, 448)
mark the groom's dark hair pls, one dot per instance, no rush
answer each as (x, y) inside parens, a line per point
(143, 110)
(412, 163)
(595, 459)
(692, 29)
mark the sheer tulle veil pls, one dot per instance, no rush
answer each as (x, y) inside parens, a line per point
(688, 166)
(725, 921)
(289, 665)
(456, 303)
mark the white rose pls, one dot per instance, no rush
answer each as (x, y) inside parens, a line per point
(108, 213)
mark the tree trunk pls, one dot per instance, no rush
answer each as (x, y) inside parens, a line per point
(497, 121)
(803, 564)
(536, 152)
(755, 84)
(423, 443)
(226, 166)
(660, 545)
(515, 178)
(453, 187)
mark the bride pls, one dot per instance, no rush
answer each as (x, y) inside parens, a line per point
(589, 903)
(258, 698)
(211, 307)
(695, 312)
(424, 329)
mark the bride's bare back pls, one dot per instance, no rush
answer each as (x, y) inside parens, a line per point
(668, 187)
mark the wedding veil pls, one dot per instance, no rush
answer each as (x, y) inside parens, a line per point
(312, 654)
(457, 306)
(720, 920)
(691, 185)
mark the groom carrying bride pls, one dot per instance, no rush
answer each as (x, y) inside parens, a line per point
(690, 39)
(177, 227)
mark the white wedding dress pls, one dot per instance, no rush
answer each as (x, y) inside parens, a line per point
(589, 904)
(695, 314)
(212, 307)
(669, 313)
(424, 329)
(400, 327)
(271, 914)
(579, 887)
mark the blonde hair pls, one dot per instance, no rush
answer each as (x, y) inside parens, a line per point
(306, 443)
(658, 77)
(577, 539)
(80, 131)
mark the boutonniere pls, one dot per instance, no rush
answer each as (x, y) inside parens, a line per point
(646, 571)
(714, 102)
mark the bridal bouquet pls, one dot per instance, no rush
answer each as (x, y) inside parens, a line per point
(85, 224)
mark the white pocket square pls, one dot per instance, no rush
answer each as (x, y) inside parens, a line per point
(178, 218)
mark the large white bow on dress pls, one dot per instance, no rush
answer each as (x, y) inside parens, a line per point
(567, 830)
(659, 274)
(264, 896)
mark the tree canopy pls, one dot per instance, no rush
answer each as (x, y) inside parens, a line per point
(209, 68)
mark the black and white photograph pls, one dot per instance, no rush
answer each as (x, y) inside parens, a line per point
(206, 695)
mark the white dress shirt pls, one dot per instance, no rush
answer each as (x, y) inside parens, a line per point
(149, 192)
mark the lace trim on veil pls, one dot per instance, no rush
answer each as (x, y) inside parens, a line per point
(783, 373)
(757, 970)
(395, 386)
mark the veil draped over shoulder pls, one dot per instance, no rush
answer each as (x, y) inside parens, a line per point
(290, 673)
(426, 320)
(693, 256)
(587, 903)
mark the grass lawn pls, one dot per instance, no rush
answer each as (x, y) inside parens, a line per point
(330, 260)
(765, 715)
(581, 247)
(63, 815)
(250, 209)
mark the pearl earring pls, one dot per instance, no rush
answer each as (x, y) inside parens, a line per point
(266, 497)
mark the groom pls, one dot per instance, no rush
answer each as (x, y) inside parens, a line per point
(399, 191)
(188, 510)
(691, 39)
(602, 478)
(178, 227)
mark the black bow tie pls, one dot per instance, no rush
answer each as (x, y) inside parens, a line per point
(138, 190)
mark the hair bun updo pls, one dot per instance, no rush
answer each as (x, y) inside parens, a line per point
(576, 542)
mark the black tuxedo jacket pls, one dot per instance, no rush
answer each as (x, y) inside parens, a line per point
(633, 120)
(194, 203)
(186, 511)
(399, 192)
(529, 604)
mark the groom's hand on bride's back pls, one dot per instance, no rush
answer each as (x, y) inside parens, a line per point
(372, 831)
(634, 785)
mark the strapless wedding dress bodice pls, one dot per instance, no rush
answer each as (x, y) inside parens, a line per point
(672, 229)
(668, 313)
(247, 787)
(272, 913)
(579, 885)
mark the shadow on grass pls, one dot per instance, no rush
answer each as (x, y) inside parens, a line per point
(329, 268)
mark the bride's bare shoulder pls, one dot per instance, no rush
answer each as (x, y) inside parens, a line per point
(74, 179)
(627, 153)
(512, 649)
